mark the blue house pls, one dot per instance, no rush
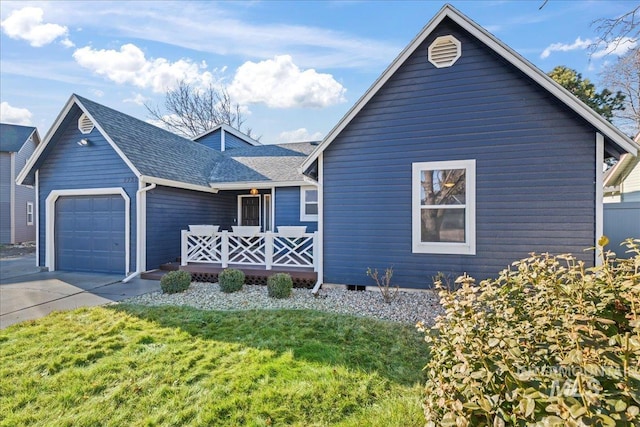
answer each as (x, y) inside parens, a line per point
(461, 157)
(115, 192)
(17, 202)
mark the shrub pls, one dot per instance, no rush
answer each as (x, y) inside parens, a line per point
(231, 280)
(279, 285)
(549, 342)
(175, 281)
(388, 292)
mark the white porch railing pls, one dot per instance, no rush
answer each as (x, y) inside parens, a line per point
(262, 249)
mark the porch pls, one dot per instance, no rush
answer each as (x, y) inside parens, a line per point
(205, 252)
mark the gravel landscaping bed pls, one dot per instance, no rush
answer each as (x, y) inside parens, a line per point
(409, 307)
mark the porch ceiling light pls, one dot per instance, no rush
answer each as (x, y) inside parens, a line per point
(253, 191)
(83, 142)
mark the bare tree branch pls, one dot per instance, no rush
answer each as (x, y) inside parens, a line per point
(624, 76)
(614, 31)
(191, 111)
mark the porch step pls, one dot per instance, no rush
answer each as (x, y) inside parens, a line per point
(153, 274)
(170, 266)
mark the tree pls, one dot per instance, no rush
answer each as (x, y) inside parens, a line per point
(604, 102)
(191, 111)
(622, 29)
(624, 74)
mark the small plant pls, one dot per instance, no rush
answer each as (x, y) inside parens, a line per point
(279, 285)
(388, 292)
(231, 280)
(175, 281)
(444, 281)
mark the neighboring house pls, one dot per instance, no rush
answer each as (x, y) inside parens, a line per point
(462, 157)
(17, 202)
(622, 202)
(622, 181)
(115, 192)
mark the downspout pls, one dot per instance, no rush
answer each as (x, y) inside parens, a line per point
(140, 229)
(320, 250)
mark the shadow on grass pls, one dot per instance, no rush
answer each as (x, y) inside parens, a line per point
(396, 352)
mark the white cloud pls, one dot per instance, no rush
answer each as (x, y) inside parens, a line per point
(67, 43)
(14, 115)
(279, 83)
(26, 24)
(562, 47)
(617, 47)
(97, 92)
(129, 66)
(137, 99)
(299, 135)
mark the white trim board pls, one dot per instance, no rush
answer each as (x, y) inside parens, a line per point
(448, 11)
(50, 219)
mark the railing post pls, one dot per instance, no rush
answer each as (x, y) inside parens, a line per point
(314, 251)
(225, 249)
(184, 250)
(268, 249)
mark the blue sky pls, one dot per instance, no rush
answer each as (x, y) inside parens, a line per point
(295, 67)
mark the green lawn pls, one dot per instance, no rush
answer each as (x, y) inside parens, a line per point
(134, 365)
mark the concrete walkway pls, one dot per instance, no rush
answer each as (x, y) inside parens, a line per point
(27, 295)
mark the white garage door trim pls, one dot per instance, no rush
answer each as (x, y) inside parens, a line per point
(50, 221)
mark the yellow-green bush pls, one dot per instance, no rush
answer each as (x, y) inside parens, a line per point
(549, 342)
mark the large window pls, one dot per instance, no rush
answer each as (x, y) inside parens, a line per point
(308, 204)
(29, 213)
(444, 220)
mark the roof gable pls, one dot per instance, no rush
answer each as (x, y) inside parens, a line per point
(13, 137)
(224, 128)
(449, 12)
(150, 152)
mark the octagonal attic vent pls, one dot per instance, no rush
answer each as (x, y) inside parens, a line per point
(444, 51)
(85, 125)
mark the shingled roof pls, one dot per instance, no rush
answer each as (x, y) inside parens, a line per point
(269, 163)
(153, 151)
(13, 137)
(157, 155)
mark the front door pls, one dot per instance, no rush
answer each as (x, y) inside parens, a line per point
(250, 210)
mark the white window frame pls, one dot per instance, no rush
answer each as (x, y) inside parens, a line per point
(303, 203)
(30, 214)
(464, 248)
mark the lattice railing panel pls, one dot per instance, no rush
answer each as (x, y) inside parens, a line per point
(204, 248)
(293, 251)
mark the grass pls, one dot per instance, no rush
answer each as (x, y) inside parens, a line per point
(143, 366)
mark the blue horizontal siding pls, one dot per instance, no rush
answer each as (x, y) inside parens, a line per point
(66, 165)
(534, 180)
(231, 141)
(170, 210)
(212, 140)
(287, 209)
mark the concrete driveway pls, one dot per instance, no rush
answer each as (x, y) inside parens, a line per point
(26, 293)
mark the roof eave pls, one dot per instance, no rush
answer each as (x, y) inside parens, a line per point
(176, 184)
(243, 185)
(448, 11)
(31, 161)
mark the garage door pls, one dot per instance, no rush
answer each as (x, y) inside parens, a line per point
(90, 233)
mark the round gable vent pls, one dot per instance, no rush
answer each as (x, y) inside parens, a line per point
(445, 51)
(85, 125)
